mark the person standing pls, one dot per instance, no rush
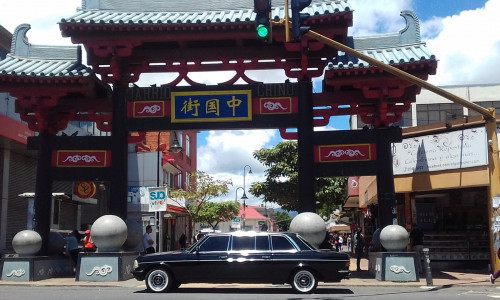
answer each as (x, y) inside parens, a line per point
(147, 241)
(183, 241)
(72, 247)
(417, 244)
(495, 275)
(359, 248)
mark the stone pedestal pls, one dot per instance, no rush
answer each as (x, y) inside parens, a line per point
(393, 266)
(35, 268)
(105, 266)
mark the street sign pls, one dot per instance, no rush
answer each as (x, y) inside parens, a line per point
(157, 199)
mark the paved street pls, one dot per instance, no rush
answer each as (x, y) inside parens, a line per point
(248, 292)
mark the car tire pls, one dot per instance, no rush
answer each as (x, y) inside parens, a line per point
(159, 280)
(303, 281)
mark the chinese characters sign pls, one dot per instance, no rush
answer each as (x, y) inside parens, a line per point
(211, 106)
(345, 153)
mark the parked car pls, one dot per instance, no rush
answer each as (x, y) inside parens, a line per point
(244, 257)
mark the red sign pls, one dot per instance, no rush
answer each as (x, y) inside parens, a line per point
(14, 130)
(85, 189)
(277, 105)
(147, 109)
(353, 186)
(345, 153)
(81, 158)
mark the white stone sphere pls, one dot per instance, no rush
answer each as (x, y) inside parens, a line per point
(108, 233)
(310, 226)
(394, 238)
(27, 242)
(134, 234)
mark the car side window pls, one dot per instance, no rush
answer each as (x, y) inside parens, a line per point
(215, 243)
(262, 243)
(280, 243)
(243, 243)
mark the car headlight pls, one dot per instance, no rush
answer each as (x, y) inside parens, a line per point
(136, 264)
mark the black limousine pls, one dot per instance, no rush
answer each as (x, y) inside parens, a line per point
(244, 257)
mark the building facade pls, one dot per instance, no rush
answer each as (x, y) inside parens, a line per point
(441, 177)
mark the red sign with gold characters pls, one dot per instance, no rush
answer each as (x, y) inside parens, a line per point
(81, 158)
(85, 189)
(345, 153)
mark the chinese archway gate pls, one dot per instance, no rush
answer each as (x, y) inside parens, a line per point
(126, 39)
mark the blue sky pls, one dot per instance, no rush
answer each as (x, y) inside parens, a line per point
(463, 34)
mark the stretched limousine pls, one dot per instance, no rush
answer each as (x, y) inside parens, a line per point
(244, 257)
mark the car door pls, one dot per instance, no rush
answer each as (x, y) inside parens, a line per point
(205, 263)
(248, 259)
(285, 257)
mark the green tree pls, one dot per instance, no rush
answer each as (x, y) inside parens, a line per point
(281, 185)
(283, 220)
(213, 213)
(202, 188)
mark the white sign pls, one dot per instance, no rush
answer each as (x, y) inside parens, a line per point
(138, 194)
(452, 150)
(157, 199)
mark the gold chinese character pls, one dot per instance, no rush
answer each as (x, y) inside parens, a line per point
(233, 103)
(191, 105)
(212, 107)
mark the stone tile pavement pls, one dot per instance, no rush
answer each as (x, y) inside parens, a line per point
(362, 278)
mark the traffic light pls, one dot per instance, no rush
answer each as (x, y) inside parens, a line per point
(262, 8)
(297, 18)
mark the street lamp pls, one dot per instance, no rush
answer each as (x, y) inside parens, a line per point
(244, 197)
(175, 146)
(236, 198)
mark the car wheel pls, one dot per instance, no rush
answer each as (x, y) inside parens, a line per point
(159, 280)
(304, 281)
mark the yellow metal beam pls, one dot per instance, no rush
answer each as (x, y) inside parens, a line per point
(401, 74)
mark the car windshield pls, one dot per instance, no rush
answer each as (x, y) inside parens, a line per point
(193, 246)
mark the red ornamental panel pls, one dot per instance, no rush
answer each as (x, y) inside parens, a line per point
(81, 158)
(277, 105)
(147, 109)
(345, 153)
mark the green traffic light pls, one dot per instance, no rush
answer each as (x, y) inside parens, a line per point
(262, 31)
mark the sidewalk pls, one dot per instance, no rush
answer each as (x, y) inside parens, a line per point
(362, 278)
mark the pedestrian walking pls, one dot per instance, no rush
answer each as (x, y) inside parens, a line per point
(495, 275)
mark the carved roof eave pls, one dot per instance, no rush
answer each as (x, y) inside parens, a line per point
(43, 67)
(161, 17)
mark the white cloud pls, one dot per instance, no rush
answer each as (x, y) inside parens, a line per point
(43, 17)
(381, 16)
(468, 47)
(226, 154)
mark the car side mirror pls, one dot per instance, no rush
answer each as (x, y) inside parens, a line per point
(197, 250)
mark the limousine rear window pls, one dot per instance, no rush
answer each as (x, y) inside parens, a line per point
(280, 243)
